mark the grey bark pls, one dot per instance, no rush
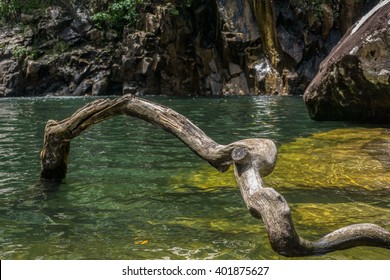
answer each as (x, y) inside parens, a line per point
(252, 159)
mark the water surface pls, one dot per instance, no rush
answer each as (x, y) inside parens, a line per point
(134, 191)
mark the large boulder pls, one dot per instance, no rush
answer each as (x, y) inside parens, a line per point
(353, 82)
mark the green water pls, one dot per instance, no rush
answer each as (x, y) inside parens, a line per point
(134, 191)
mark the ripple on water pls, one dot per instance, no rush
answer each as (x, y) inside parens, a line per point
(135, 192)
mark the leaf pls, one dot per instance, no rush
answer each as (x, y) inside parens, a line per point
(141, 242)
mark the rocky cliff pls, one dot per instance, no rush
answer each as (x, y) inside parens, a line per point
(199, 47)
(354, 81)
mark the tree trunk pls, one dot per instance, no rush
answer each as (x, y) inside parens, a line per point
(252, 159)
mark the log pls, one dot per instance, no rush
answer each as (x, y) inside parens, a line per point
(252, 159)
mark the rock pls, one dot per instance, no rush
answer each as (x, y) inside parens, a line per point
(290, 44)
(366, 168)
(33, 70)
(234, 69)
(327, 20)
(111, 35)
(100, 87)
(238, 84)
(85, 87)
(130, 88)
(238, 20)
(29, 18)
(354, 80)
(10, 78)
(94, 35)
(173, 49)
(214, 83)
(380, 150)
(152, 23)
(143, 65)
(347, 10)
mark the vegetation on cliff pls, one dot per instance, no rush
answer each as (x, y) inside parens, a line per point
(10, 10)
(191, 47)
(118, 14)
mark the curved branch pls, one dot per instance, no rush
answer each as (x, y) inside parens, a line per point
(252, 159)
(268, 204)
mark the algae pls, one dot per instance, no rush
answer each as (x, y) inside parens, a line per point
(353, 157)
(340, 158)
(330, 179)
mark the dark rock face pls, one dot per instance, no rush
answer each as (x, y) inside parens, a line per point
(210, 48)
(54, 55)
(10, 78)
(57, 53)
(354, 81)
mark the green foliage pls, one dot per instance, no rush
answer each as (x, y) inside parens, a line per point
(21, 52)
(180, 6)
(315, 5)
(118, 14)
(174, 11)
(10, 10)
(188, 3)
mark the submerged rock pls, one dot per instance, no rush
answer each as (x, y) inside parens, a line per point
(341, 158)
(354, 81)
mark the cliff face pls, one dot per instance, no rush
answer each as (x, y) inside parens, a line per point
(199, 47)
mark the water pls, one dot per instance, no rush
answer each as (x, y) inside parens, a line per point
(134, 191)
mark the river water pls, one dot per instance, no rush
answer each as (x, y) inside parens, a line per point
(134, 191)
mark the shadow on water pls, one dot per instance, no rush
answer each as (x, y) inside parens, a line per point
(47, 187)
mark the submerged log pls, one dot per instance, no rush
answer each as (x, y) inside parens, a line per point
(252, 159)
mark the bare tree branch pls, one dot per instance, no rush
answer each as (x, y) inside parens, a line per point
(252, 159)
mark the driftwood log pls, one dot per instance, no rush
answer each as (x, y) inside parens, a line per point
(252, 159)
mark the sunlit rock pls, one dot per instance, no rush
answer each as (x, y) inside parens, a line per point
(354, 81)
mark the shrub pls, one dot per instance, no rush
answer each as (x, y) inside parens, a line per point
(21, 52)
(10, 10)
(118, 14)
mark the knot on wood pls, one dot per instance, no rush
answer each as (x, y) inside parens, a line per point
(240, 155)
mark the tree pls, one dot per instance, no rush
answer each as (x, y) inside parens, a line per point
(252, 159)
